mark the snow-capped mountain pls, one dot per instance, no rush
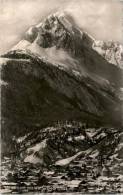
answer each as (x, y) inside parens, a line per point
(111, 51)
(56, 32)
(56, 39)
(61, 42)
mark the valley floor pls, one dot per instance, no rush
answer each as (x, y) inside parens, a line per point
(66, 159)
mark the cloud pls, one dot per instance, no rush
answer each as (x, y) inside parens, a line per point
(102, 19)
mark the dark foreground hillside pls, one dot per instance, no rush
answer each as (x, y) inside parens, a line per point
(36, 93)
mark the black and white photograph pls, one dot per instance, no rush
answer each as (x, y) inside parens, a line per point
(61, 97)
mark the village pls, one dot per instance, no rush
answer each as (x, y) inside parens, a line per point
(86, 172)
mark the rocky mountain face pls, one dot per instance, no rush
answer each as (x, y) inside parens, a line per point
(111, 51)
(57, 31)
(36, 93)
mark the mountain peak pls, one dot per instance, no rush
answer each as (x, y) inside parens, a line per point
(51, 18)
(58, 14)
(58, 30)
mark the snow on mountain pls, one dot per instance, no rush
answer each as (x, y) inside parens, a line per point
(111, 51)
(61, 42)
(31, 153)
(21, 45)
(56, 30)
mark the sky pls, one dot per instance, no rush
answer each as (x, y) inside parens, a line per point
(101, 18)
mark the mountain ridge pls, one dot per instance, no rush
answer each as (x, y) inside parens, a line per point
(57, 24)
